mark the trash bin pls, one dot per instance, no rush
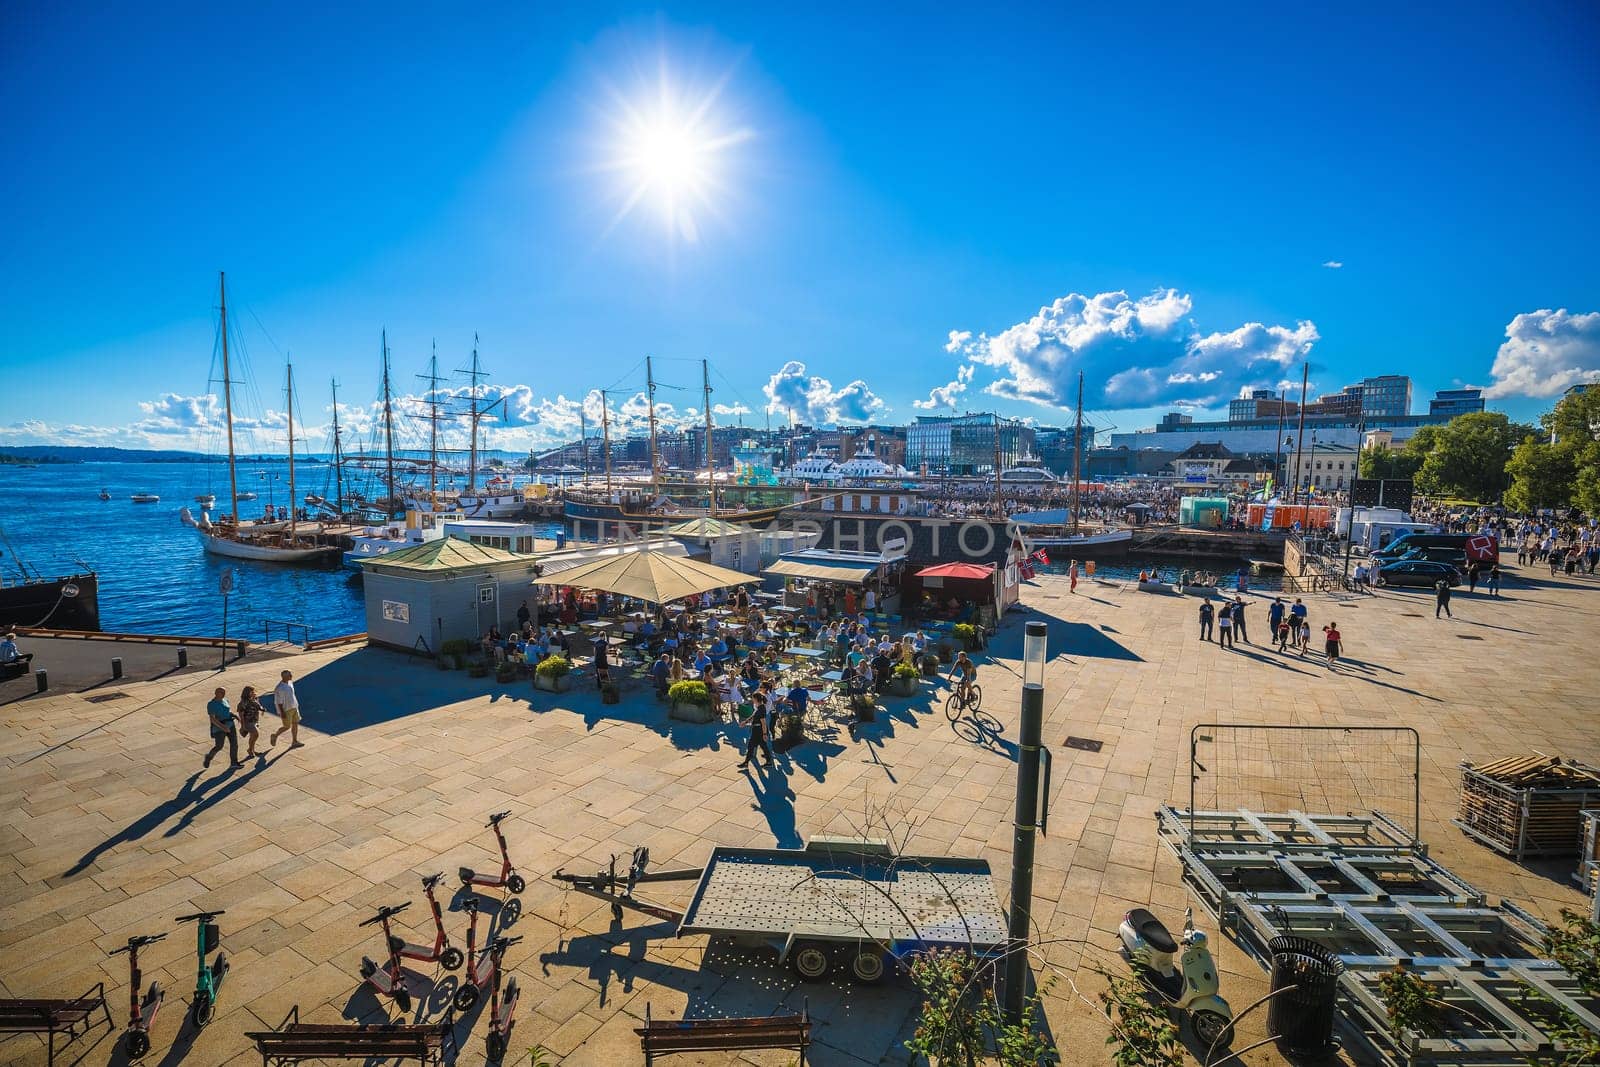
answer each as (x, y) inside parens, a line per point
(1302, 1018)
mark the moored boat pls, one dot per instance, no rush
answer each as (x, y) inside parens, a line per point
(145, 498)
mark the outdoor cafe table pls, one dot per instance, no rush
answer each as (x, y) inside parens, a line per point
(805, 653)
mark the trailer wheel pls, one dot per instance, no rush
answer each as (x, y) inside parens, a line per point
(809, 960)
(867, 964)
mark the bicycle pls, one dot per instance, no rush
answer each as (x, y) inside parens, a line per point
(963, 699)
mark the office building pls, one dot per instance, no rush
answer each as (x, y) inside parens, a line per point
(965, 445)
(1455, 402)
(1386, 396)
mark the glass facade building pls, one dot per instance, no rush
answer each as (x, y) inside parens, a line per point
(964, 445)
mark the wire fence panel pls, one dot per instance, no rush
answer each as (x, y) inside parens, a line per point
(1316, 770)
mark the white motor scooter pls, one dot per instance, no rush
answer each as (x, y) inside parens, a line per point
(1189, 985)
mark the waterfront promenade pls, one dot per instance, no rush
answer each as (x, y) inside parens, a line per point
(109, 827)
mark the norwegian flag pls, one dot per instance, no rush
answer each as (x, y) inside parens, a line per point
(1025, 568)
(1041, 556)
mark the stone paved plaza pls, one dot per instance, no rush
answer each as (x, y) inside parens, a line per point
(109, 827)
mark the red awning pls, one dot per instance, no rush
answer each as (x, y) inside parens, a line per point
(958, 570)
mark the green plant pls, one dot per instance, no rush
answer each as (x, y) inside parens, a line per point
(553, 667)
(478, 669)
(961, 1022)
(1575, 944)
(455, 646)
(1408, 1003)
(906, 670)
(1142, 1035)
(538, 1057)
(689, 692)
(964, 631)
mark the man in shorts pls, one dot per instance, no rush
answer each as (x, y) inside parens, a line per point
(288, 705)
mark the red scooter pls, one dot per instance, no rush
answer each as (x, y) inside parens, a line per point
(141, 1014)
(508, 875)
(389, 980)
(484, 972)
(448, 956)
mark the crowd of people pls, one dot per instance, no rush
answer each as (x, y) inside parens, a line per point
(1288, 627)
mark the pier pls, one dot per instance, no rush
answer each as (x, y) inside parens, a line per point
(111, 826)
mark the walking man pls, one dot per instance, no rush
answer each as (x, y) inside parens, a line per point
(223, 728)
(287, 702)
(1072, 577)
(1275, 615)
(759, 736)
(1225, 626)
(1238, 620)
(1207, 613)
(1494, 580)
(1441, 601)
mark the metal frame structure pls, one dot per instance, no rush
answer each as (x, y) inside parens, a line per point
(1540, 825)
(1366, 890)
(1588, 873)
(1210, 733)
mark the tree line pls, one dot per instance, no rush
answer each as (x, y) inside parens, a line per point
(1484, 456)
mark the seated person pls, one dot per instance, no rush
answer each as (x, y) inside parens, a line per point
(702, 662)
(798, 696)
(751, 671)
(9, 653)
(649, 628)
(719, 649)
(919, 642)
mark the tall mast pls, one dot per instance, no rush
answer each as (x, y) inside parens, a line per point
(999, 497)
(605, 434)
(432, 378)
(650, 403)
(1077, 458)
(472, 452)
(1277, 457)
(338, 455)
(1300, 435)
(227, 399)
(388, 426)
(583, 439)
(288, 392)
(711, 452)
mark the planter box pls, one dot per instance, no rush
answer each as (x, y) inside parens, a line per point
(930, 666)
(612, 695)
(691, 712)
(903, 687)
(552, 685)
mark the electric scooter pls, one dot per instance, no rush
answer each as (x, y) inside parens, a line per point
(208, 980)
(508, 875)
(483, 970)
(1190, 984)
(448, 956)
(389, 980)
(141, 1014)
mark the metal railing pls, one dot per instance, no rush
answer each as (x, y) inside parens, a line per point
(269, 625)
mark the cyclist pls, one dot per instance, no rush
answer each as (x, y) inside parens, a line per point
(965, 672)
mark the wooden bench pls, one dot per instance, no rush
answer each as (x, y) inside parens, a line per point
(54, 1017)
(295, 1041)
(667, 1036)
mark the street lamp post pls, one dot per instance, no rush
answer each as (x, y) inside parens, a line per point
(1029, 818)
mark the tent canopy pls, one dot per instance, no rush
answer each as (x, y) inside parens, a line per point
(850, 572)
(958, 570)
(706, 526)
(651, 576)
(444, 554)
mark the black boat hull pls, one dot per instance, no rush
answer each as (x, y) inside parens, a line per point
(71, 602)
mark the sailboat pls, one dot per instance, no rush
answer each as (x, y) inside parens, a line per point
(1051, 529)
(275, 542)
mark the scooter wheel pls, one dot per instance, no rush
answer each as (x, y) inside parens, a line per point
(201, 1011)
(466, 997)
(402, 997)
(451, 958)
(516, 884)
(1215, 1031)
(496, 1047)
(138, 1044)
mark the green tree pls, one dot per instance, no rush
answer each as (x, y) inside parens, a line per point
(1468, 456)
(1381, 461)
(1542, 475)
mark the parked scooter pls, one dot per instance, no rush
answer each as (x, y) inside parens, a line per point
(1189, 984)
(508, 875)
(208, 979)
(141, 1014)
(483, 970)
(448, 956)
(389, 980)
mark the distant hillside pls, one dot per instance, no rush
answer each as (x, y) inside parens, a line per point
(96, 454)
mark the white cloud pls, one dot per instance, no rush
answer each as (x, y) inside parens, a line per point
(945, 396)
(1545, 352)
(1133, 352)
(958, 338)
(812, 399)
(1333, 264)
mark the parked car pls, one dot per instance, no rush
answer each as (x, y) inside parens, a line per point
(1432, 542)
(1453, 556)
(1420, 573)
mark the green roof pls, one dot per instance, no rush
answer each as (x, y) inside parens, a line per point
(444, 554)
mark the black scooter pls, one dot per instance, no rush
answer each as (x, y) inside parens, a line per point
(141, 1013)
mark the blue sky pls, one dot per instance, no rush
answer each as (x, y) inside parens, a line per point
(895, 194)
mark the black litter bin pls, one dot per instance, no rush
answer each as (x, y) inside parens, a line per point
(1302, 1018)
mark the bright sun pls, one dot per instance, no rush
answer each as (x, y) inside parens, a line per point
(671, 151)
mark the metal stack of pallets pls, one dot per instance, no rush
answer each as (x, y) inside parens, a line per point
(1528, 806)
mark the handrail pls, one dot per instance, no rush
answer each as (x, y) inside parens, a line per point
(288, 630)
(150, 639)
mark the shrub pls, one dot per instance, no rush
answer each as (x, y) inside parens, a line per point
(964, 631)
(906, 670)
(553, 667)
(688, 692)
(456, 646)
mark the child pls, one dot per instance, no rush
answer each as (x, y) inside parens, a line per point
(1283, 634)
(1305, 636)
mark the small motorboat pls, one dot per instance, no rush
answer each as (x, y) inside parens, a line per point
(145, 498)
(105, 494)
(247, 496)
(206, 500)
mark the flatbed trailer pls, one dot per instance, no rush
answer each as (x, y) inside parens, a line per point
(835, 902)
